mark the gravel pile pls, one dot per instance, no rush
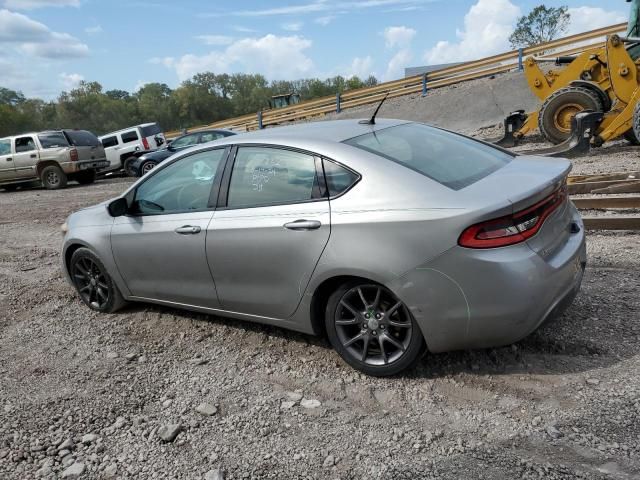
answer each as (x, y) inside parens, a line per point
(152, 392)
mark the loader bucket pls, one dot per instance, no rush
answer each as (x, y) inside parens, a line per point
(583, 128)
(512, 123)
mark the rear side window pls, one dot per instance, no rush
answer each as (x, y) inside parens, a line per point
(128, 137)
(82, 138)
(5, 147)
(270, 176)
(453, 160)
(53, 140)
(25, 144)
(110, 141)
(339, 179)
(209, 137)
(151, 130)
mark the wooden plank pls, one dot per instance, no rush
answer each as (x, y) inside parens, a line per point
(590, 187)
(599, 177)
(612, 223)
(597, 203)
(627, 187)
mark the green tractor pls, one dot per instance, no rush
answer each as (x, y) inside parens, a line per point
(284, 100)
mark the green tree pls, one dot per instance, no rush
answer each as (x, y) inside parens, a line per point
(541, 25)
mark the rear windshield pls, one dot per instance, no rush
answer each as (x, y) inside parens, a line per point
(82, 138)
(53, 140)
(453, 160)
(151, 130)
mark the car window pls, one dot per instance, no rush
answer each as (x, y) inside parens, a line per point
(209, 137)
(151, 130)
(453, 160)
(5, 147)
(128, 137)
(25, 144)
(82, 138)
(53, 140)
(185, 141)
(183, 186)
(267, 176)
(109, 141)
(339, 179)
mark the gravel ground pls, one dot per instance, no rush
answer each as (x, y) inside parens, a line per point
(152, 392)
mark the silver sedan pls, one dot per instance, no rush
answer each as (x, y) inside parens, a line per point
(390, 238)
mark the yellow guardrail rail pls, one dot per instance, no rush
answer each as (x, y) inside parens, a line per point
(500, 63)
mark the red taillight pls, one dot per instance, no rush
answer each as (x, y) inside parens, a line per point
(145, 144)
(512, 229)
(73, 153)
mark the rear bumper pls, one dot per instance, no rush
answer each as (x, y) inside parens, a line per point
(81, 166)
(487, 298)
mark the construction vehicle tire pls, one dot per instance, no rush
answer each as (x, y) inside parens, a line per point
(559, 109)
(630, 136)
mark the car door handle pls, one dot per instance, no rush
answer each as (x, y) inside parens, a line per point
(33, 155)
(9, 159)
(303, 225)
(188, 230)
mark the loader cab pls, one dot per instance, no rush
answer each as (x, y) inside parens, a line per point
(284, 100)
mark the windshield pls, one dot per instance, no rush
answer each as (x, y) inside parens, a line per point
(453, 160)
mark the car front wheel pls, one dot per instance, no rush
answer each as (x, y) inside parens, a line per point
(372, 330)
(147, 167)
(94, 285)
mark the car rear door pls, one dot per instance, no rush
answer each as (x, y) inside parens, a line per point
(7, 170)
(25, 157)
(159, 247)
(269, 230)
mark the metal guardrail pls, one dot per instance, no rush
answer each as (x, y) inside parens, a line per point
(501, 63)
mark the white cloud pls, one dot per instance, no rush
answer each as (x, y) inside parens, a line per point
(33, 4)
(487, 27)
(397, 64)
(589, 18)
(36, 39)
(318, 6)
(215, 39)
(361, 67)
(273, 56)
(70, 80)
(398, 36)
(325, 20)
(241, 29)
(93, 30)
(292, 26)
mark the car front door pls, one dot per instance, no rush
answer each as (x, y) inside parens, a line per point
(159, 247)
(7, 170)
(269, 230)
(25, 158)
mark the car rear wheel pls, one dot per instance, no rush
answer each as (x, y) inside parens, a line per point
(128, 167)
(53, 177)
(87, 177)
(94, 285)
(147, 167)
(372, 330)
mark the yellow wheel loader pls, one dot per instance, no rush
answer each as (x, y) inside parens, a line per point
(603, 80)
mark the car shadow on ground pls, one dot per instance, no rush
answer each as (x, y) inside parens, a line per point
(544, 352)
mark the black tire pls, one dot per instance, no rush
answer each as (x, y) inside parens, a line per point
(53, 178)
(411, 340)
(127, 165)
(554, 120)
(86, 177)
(636, 121)
(147, 166)
(94, 285)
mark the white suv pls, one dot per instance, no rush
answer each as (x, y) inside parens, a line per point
(124, 146)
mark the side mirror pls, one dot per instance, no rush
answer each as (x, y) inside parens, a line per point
(118, 207)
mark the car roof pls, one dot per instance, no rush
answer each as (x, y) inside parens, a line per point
(331, 130)
(127, 129)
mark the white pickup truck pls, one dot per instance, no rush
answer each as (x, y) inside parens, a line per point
(52, 157)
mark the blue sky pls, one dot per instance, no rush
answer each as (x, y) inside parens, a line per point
(47, 46)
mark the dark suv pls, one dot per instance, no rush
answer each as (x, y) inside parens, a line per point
(149, 160)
